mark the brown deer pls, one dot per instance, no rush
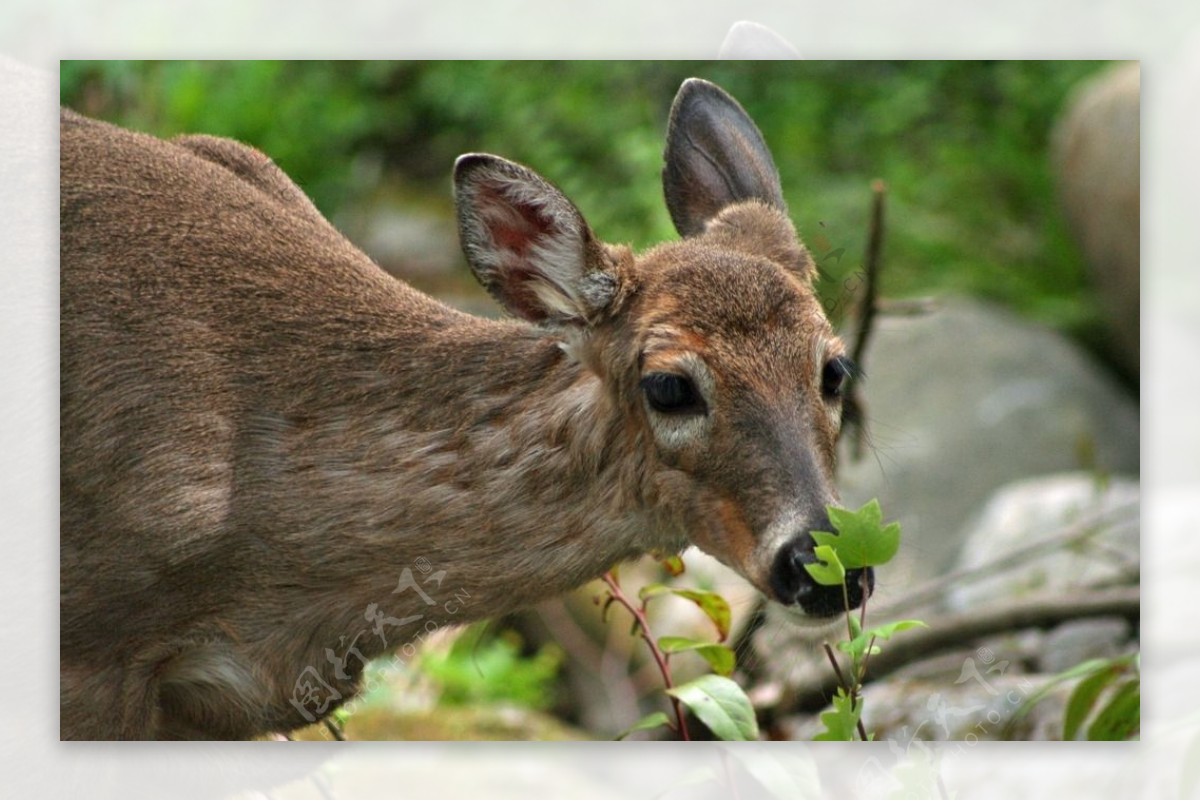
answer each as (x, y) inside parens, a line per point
(278, 461)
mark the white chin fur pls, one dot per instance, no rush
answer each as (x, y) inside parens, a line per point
(796, 616)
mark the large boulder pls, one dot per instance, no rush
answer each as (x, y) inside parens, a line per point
(1101, 518)
(964, 400)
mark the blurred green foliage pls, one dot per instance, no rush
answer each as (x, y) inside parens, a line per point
(480, 668)
(962, 147)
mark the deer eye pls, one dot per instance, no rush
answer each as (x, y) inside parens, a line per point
(834, 376)
(669, 393)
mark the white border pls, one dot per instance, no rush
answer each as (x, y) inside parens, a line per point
(1164, 35)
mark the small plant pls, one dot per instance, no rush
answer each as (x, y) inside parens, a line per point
(862, 540)
(714, 698)
(1116, 680)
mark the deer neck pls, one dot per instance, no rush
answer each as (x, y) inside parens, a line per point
(519, 475)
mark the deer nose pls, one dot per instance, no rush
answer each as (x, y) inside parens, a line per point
(793, 586)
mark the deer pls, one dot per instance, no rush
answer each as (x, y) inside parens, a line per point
(279, 462)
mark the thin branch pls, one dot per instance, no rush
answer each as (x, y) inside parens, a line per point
(953, 631)
(854, 410)
(639, 615)
(837, 670)
(869, 305)
(851, 690)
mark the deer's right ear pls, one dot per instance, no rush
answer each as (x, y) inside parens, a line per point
(715, 157)
(528, 244)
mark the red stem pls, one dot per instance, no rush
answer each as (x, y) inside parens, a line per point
(639, 615)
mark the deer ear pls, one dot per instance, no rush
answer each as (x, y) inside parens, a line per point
(715, 157)
(527, 243)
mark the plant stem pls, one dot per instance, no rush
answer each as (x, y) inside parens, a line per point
(855, 406)
(862, 730)
(862, 622)
(858, 664)
(851, 690)
(639, 615)
(836, 670)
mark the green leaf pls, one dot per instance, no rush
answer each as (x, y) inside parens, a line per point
(828, 570)
(673, 564)
(653, 589)
(885, 631)
(1085, 668)
(861, 540)
(720, 657)
(651, 721)
(721, 705)
(1120, 719)
(841, 722)
(711, 604)
(1083, 698)
(858, 646)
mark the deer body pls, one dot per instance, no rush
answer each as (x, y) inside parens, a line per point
(278, 461)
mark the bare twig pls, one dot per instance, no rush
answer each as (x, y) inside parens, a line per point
(854, 410)
(869, 306)
(956, 630)
(837, 670)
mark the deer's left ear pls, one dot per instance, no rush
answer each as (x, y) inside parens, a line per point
(528, 244)
(715, 157)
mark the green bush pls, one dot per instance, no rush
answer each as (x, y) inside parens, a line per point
(962, 147)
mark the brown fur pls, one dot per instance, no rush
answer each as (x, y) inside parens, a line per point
(263, 433)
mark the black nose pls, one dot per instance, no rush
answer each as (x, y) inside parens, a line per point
(794, 587)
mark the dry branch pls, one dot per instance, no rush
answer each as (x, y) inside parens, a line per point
(958, 630)
(854, 412)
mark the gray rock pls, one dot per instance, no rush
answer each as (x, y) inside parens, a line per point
(1081, 640)
(981, 706)
(1034, 509)
(964, 400)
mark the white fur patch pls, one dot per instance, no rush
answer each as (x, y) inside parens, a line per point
(674, 432)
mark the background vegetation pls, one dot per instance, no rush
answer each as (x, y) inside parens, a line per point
(961, 145)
